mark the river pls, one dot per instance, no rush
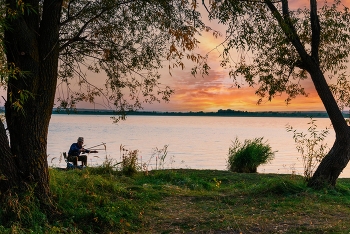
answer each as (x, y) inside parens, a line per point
(196, 142)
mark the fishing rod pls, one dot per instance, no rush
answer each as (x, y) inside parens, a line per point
(92, 147)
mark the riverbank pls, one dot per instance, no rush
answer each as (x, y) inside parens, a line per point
(101, 200)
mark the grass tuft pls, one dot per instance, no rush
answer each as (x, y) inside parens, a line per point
(247, 156)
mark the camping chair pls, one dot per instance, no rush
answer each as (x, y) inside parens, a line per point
(65, 157)
(69, 164)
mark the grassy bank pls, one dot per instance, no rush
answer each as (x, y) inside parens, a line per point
(100, 200)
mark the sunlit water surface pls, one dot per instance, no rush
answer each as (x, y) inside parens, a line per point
(193, 142)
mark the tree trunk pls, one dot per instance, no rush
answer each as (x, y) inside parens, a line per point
(31, 44)
(332, 165)
(9, 170)
(338, 157)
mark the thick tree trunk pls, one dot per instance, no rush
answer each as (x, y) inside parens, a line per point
(32, 46)
(337, 159)
(9, 170)
(332, 165)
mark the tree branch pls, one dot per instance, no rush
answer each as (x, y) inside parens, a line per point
(69, 19)
(82, 30)
(315, 27)
(205, 6)
(287, 26)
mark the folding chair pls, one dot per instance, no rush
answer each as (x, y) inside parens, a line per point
(69, 164)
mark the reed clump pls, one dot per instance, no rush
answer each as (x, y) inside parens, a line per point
(247, 156)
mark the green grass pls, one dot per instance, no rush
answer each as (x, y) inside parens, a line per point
(95, 200)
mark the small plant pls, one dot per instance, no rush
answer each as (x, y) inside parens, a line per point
(310, 146)
(109, 165)
(159, 154)
(246, 157)
(217, 182)
(129, 161)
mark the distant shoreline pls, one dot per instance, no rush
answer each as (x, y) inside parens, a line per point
(219, 113)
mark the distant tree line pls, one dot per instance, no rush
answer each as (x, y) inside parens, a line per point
(228, 112)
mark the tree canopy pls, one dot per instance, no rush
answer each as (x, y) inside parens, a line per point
(49, 43)
(282, 47)
(272, 40)
(129, 41)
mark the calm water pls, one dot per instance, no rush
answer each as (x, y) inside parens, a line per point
(194, 142)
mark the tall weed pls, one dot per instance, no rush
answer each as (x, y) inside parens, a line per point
(159, 155)
(311, 146)
(129, 161)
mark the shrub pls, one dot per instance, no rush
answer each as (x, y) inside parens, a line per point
(311, 147)
(129, 163)
(247, 156)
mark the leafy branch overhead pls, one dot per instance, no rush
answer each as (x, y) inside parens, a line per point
(128, 41)
(274, 42)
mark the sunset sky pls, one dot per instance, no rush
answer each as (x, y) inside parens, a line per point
(214, 92)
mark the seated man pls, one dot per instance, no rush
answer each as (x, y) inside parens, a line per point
(75, 150)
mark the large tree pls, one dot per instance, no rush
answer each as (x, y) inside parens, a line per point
(47, 41)
(283, 47)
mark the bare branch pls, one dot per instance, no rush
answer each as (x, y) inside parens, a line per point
(71, 18)
(205, 6)
(82, 30)
(315, 27)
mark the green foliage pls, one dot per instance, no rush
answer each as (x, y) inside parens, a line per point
(128, 41)
(129, 161)
(246, 157)
(23, 97)
(22, 211)
(272, 45)
(93, 201)
(311, 146)
(341, 90)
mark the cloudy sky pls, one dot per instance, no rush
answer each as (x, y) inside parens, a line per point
(215, 91)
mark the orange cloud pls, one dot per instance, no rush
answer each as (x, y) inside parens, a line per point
(214, 92)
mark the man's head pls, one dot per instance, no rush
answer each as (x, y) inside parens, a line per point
(80, 141)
